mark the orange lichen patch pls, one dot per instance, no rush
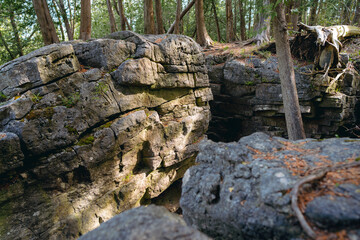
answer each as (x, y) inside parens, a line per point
(327, 185)
(159, 40)
(2, 135)
(84, 68)
(341, 235)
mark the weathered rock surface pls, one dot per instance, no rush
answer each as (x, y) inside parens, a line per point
(247, 98)
(147, 223)
(240, 190)
(90, 129)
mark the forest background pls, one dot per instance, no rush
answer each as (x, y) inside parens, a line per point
(225, 20)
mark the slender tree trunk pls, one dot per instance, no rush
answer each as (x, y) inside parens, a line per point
(111, 17)
(356, 19)
(69, 30)
(59, 19)
(249, 24)
(235, 18)
(287, 76)
(295, 15)
(159, 18)
(85, 20)
(6, 46)
(202, 36)
(16, 34)
(229, 22)
(183, 13)
(122, 15)
(313, 11)
(177, 17)
(242, 21)
(47, 27)
(263, 25)
(346, 13)
(149, 23)
(216, 21)
(71, 20)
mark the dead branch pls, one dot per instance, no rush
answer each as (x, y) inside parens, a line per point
(295, 192)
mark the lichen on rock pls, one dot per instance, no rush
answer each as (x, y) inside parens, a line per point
(90, 129)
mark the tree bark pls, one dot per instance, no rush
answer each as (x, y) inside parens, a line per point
(356, 19)
(16, 34)
(229, 22)
(85, 20)
(122, 15)
(149, 23)
(6, 46)
(46, 24)
(291, 16)
(313, 11)
(183, 13)
(293, 118)
(202, 36)
(69, 30)
(159, 18)
(177, 17)
(242, 20)
(111, 17)
(59, 19)
(249, 24)
(346, 13)
(216, 21)
(263, 25)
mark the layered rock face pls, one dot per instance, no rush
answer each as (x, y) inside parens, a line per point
(241, 190)
(90, 129)
(247, 98)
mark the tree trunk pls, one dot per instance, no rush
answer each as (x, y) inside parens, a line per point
(46, 24)
(6, 46)
(216, 21)
(291, 16)
(356, 19)
(85, 20)
(59, 19)
(111, 17)
(159, 18)
(229, 22)
(16, 34)
(293, 118)
(346, 13)
(177, 17)
(202, 36)
(149, 23)
(263, 25)
(183, 13)
(313, 11)
(122, 15)
(249, 24)
(242, 20)
(69, 30)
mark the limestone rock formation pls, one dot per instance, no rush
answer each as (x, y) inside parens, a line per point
(90, 129)
(145, 223)
(241, 190)
(247, 98)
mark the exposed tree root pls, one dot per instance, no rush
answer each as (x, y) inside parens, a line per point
(295, 192)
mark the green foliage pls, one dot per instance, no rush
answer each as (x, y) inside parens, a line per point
(101, 88)
(3, 97)
(36, 97)
(71, 100)
(86, 141)
(249, 83)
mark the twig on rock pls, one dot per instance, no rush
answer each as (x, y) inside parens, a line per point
(295, 192)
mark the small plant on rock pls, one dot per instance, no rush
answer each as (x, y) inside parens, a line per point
(71, 100)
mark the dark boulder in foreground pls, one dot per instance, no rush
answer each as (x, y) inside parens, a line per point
(241, 190)
(148, 223)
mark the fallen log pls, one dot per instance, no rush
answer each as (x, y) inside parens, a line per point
(329, 44)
